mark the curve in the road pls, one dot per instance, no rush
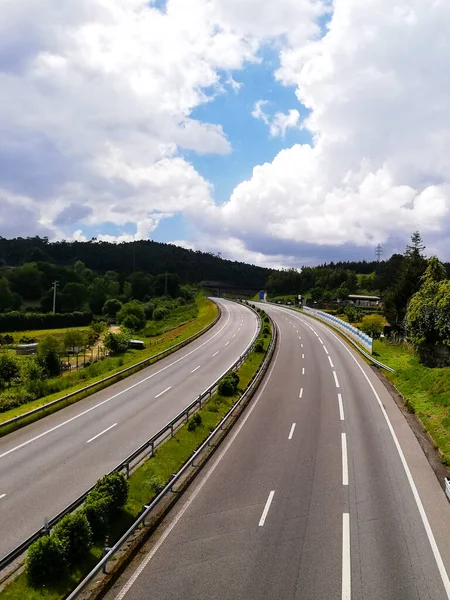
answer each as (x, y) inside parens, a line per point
(310, 497)
(46, 465)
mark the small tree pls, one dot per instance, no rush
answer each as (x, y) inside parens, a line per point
(135, 309)
(48, 353)
(74, 340)
(111, 308)
(373, 324)
(9, 369)
(117, 343)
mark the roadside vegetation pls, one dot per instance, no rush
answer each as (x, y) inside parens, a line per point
(56, 562)
(27, 382)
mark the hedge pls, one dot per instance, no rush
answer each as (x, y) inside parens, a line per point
(19, 321)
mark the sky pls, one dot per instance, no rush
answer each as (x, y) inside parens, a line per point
(283, 133)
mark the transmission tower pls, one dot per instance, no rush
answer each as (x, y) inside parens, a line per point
(379, 252)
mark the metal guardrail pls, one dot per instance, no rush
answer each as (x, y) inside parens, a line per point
(142, 363)
(349, 339)
(447, 487)
(134, 458)
(246, 396)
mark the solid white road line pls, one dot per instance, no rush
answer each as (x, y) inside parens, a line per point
(303, 371)
(164, 391)
(195, 493)
(325, 348)
(196, 368)
(335, 379)
(291, 433)
(266, 508)
(216, 353)
(85, 412)
(301, 393)
(331, 362)
(423, 514)
(344, 459)
(101, 433)
(227, 343)
(346, 570)
(2, 496)
(341, 407)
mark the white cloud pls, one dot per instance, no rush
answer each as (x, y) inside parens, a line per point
(258, 113)
(281, 122)
(379, 112)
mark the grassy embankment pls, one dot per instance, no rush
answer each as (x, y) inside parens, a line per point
(426, 391)
(182, 323)
(148, 480)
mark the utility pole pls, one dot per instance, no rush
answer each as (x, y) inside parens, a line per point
(379, 252)
(55, 285)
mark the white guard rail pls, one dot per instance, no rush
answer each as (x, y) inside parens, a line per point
(356, 334)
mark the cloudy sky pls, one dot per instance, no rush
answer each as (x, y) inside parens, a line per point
(280, 133)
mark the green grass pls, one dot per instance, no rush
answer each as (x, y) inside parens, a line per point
(148, 480)
(426, 390)
(175, 329)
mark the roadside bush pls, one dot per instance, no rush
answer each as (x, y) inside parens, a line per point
(25, 339)
(135, 309)
(194, 422)
(9, 369)
(266, 329)
(75, 536)
(229, 384)
(259, 346)
(46, 561)
(155, 483)
(97, 508)
(10, 400)
(131, 322)
(117, 343)
(116, 487)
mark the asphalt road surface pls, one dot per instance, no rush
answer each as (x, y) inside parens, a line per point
(45, 466)
(320, 492)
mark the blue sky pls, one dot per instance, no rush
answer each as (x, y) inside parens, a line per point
(101, 99)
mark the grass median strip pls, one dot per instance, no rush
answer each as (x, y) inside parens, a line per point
(148, 479)
(175, 333)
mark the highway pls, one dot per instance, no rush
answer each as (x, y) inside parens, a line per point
(47, 465)
(320, 492)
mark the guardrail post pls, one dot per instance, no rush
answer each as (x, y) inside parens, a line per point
(46, 527)
(127, 468)
(105, 551)
(171, 430)
(144, 508)
(153, 448)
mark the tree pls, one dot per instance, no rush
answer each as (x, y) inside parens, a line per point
(135, 309)
(27, 281)
(117, 343)
(6, 296)
(9, 369)
(74, 340)
(48, 354)
(111, 308)
(373, 324)
(405, 283)
(342, 292)
(428, 316)
(74, 296)
(97, 295)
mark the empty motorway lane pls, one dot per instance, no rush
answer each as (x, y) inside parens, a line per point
(311, 496)
(45, 466)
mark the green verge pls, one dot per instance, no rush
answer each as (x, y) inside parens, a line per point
(149, 479)
(171, 332)
(426, 391)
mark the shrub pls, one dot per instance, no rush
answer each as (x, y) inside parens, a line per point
(9, 369)
(229, 384)
(134, 308)
(116, 487)
(25, 339)
(160, 313)
(259, 346)
(97, 508)
(9, 400)
(75, 536)
(111, 308)
(266, 329)
(117, 343)
(131, 322)
(19, 321)
(194, 422)
(46, 562)
(155, 483)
